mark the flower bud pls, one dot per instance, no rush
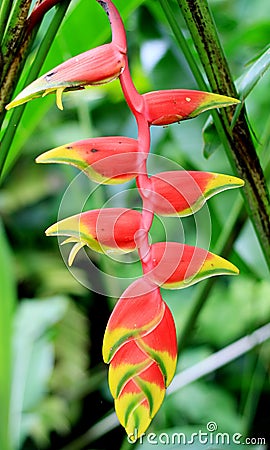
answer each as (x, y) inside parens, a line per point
(170, 106)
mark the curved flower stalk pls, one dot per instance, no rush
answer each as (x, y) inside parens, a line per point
(111, 230)
(105, 160)
(140, 345)
(140, 339)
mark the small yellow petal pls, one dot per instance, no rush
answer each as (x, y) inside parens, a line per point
(59, 93)
(75, 249)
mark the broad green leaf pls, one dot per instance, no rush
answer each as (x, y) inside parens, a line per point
(7, 306)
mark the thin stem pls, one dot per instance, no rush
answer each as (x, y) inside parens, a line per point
(4, 15)
(39, 11)
(117, 26)
(257, 380)
(240, 151)
(182, 42)
(137, 105)
(15, 33)
(33, 73)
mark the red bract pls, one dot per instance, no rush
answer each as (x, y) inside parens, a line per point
(103, 230)
(169, 106)
(106, 160)
(177, 266)
(97, 66)
(140, 344)
(183, 193)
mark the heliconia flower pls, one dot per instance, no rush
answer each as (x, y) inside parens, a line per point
(110, 230)
(178, 266)
(183, 193)
(169, 106)
(96, 66)
(106, 160)
(140, 345)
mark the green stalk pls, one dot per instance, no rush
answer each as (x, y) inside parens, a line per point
(181, 41)
(4, 15)
(8, 302)
(33, 73)
(15, 33)
(240, 149)
(13, 72)
(257, 380)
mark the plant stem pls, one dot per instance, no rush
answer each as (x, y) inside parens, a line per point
(240, 151)
(8, 302)
(181, 41)
(4, 15)
(33, 73)
(15, 33)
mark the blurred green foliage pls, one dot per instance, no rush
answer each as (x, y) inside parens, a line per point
(59, 387)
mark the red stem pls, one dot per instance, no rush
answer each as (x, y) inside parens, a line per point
(138, 107)
(117, 26)
(39, 11)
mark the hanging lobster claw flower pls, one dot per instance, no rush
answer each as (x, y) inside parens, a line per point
(110, 230)
(178, 266)
(96, 66)
(170, 106)
(183, 193)
(140, 345)
(106, 160)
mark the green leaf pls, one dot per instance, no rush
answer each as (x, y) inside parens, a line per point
(248, 81)
(7, 305)
(33, 358)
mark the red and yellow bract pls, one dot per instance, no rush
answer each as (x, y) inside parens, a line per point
(106, 160)
(177, 266)
(183, 193)
(173, 105)
(140, 345)
(96, 66)
(110, 230)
